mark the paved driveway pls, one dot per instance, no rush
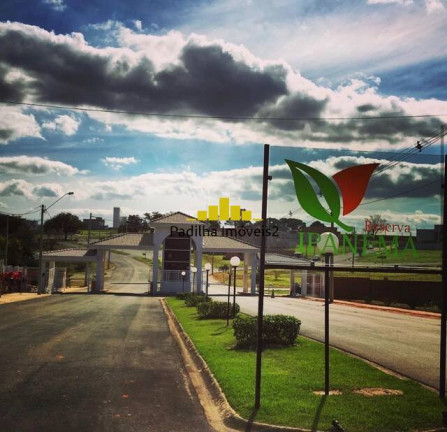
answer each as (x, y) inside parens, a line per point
(93, 363)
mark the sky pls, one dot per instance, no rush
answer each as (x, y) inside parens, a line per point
(166, 105)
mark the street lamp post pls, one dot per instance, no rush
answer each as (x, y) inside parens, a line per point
(183, 280)
(328, 244)
(228, 297)
(194, 271)
(208, 267)
(43, 209)
(235, 261)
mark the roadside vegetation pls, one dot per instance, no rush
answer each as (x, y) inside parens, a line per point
(291, 375)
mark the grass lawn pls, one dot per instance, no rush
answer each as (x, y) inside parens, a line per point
(424, 257)
(290, 375)
(143, 259)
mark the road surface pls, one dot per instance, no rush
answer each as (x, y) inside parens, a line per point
(93, 363)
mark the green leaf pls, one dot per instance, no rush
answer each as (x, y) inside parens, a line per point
(307, 197)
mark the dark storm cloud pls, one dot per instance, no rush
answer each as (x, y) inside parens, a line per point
(204, 80)
(105, 196)
(9, 90)
(43, 191)
(207, 81)
(12, 189)
(6, 134)
(292, 106)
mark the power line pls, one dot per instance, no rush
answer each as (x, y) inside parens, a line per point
(37, 209)
(216, 117)
(401, 193)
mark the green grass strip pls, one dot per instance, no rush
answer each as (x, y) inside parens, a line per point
(290, 375)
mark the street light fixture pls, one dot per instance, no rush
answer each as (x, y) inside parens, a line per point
(43, 209)
(194, 271)
(235, 261)
(207, 268)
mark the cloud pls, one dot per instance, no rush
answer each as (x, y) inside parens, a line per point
(406, 180)
(31, 165)
(63, 123)
(201, 77)
(57, 5)
(434, 6)
(45, 191)
(138, 25)
(14, 124)
(401, 2)
(117, 163)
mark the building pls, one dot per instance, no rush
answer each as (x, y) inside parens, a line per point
(429, 238)
(181, 269)
(97, 223)
(116, 217)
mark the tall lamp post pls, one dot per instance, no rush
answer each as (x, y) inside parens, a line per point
(235, 261)
(194, 271)
(328, 244)
(183, 280)
(207, 268)
(43, 209)
(228, 297)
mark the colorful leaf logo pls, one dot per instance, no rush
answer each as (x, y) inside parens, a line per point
(352, 183)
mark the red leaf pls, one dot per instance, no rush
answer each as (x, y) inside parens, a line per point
(353, 182)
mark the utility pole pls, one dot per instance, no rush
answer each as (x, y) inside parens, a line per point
(89, 229)
(7, 240)
(41, 274)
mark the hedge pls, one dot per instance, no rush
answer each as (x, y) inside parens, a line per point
(277, 330)
(212, 309)
(191, 299)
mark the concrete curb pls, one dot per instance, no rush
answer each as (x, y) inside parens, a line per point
(220, 414)
(411, 312)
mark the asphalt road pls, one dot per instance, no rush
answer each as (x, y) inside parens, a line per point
(403, 343)
(93, 363)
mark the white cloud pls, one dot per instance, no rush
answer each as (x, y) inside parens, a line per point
(35, 165)
(63, 123)
(434, 6)
(14, 124)
(57, 5)
(330, 42)
(138, 25)
(117, 163)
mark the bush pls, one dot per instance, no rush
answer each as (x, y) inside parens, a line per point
(277, 330)
(181, 296)
(193, 299)
(212, 309)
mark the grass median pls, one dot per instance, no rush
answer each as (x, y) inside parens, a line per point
(291, 375)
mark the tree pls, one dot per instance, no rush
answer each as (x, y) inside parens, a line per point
(152, 216)
(65, 223)
(374, 224)
(134, 224)
(22, 240)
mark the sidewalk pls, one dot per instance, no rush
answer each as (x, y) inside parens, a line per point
(16, 296)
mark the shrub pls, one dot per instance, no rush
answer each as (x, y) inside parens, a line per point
(193, 299)
(212, 309)
(181, 296)
(277, 330)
